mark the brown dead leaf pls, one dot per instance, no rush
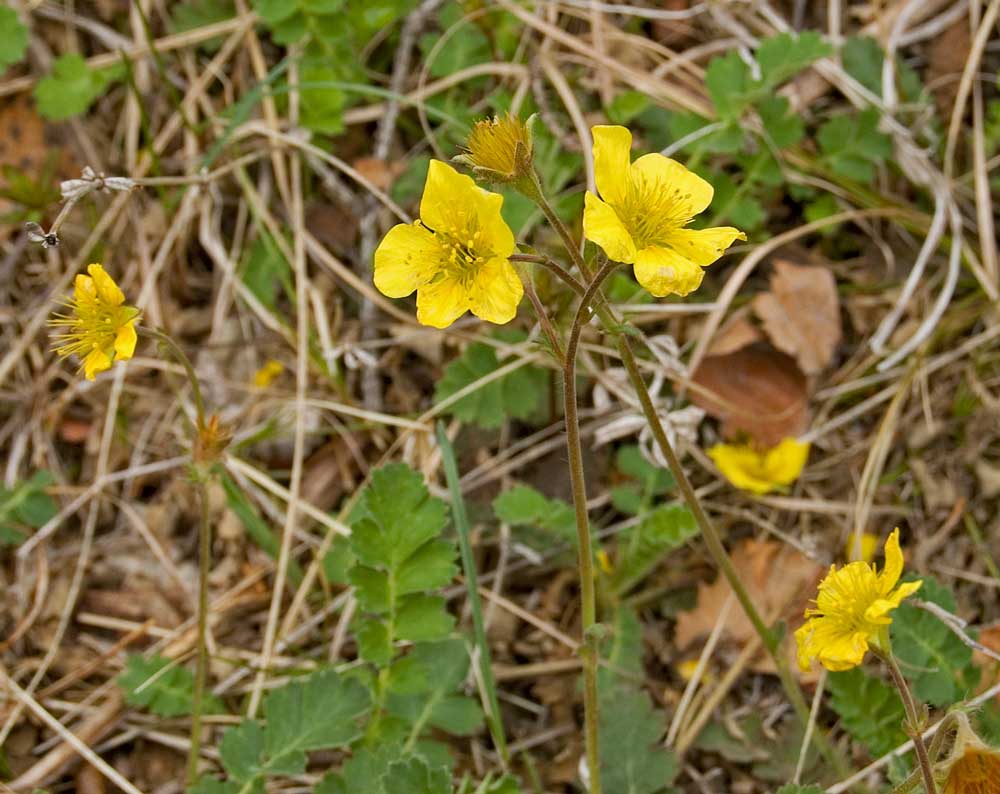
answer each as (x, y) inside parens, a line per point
(737, 333)
(946, 56)
(381, 173)
(778, 597)
(801, 314)
(755, 391)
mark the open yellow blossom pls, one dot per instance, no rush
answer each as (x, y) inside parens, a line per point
(265, 376)
(457, 256)
(100, 326)
(972, 767)
(852, 611)
(761, 471)
(642, 214)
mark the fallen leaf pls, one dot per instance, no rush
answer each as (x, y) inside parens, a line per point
(381, 173)
(755, 391)
(801, 314)
(946, 56)
(737, 333)
(782, 597)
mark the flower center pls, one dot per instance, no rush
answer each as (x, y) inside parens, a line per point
(847, 596)
(463, 249)
(651, 210)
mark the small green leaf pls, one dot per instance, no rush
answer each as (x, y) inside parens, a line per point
(869, 709)
(71, 88)
(524, 506)
(415, 776)
(936, 662)
(630, 461)
(852, 145)
(371, 588)
(625, 107)
(165, 692)
(423, 617)
(431, 567)
(633, 759)
(265, 270)
(458, 715)
(318, 713)
(728, 82)
(661, 530)
(241, 749)
(374, 643)
(516, 395)
(26, 506)
(785, 128)
(13, 37)
(784, 56)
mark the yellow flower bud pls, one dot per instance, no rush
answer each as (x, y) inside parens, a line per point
(499, 149)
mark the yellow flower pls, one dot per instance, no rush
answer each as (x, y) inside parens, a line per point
(868, 546)
(852, 611)
(100, 327)
(645, 209)
(972, 767)
(758, 471)
(456, 256)
(499, 149)
(265, 376)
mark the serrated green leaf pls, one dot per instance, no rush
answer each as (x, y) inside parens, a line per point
(274, 11)
(937, 664)
(516, 395)
(458, 715)
(399, 517)
(852, 145)
(785, 55)
(415, 776)
(318, 713)
(869, 709)
(728, 82)
(523, 506)
(374, 642)
(71, 88)
(863, 57)
(165, 692)
(13, 37)
(431, 567)
(625, 107)
(630, 461)
(241, 750)
(633, 760)
(423, 617)
(371, 588)
(784, 127)
(25, 506)
(622, 652)
(661, 530)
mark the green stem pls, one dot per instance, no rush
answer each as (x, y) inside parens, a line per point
(201, 668)
(589, 649)
(182, 359)
(554, 266)
(472, 587)
(913, 719)
(533, 189)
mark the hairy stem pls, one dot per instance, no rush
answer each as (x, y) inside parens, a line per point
(912, 718)
(201, 668)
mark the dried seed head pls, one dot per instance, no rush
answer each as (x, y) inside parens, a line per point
(499, 149)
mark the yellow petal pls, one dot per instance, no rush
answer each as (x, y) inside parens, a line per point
(441, 302)
(878, 611)
(612, 154)
(84, 289)
(125, 341)
(844, 652)
(96, 361)
(106, 288)
(704, 246)
(602, 226)
(407, 257)
(784, 463)
(742, 467)
(692, 192)
(665, 272)
(905, 590)
(893, 563)
(443, 187)
(496, 292)
(497, 238)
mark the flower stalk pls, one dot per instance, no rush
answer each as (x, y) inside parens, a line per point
(915, 720)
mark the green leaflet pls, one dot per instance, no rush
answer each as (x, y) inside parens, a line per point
(165, 692)
(516, 395)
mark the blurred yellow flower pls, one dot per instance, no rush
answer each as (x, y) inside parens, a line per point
(972, 767)
(864, 550)
(265, 376)
(852, 611)
(759, 471)
(499, 148)
(456, 256)
(100, 326)
(642, 218)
